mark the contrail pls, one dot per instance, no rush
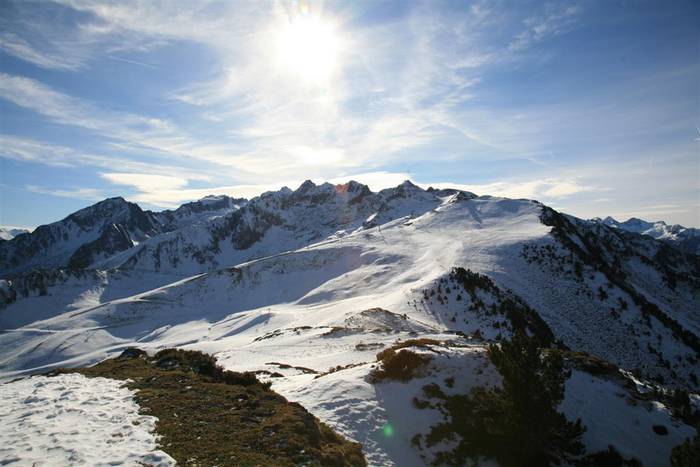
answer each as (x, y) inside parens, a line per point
(134, 62)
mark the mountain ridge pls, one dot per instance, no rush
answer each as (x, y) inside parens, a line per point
(685, 238)
(304, 287)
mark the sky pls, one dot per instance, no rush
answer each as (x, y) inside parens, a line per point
(591, 107)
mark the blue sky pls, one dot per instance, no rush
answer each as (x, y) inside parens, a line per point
(590, 107)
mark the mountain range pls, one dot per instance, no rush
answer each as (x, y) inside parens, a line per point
(305, 286)
(685, 238)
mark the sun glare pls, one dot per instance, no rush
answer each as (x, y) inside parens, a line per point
(308, 46)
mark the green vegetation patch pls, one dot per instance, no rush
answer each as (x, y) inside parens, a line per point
(517, 424)
(210, 416)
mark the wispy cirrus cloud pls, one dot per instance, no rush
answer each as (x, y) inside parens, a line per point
(553, 21)
(91, 194)
(50, 36)
(412, 88)
(56, 155)
(20, 48)
(170, 192)
(469, 93)
(62, 108)
(145, 182)
(540, 189)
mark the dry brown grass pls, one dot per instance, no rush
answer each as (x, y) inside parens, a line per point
(208, 416)
(398, 363)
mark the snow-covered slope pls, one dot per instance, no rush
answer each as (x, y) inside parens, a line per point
(685, 238)
(306, 286)
(8, 233)
(73, 420)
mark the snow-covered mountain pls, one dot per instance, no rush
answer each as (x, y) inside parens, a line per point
(78, 240)
(305, 286)
(8, 233)
(685, 238)
(201, 210)
(96, 233)
(275, 222)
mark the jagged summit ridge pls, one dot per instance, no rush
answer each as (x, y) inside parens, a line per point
(685, 238)
(280, 220)
(99, 231)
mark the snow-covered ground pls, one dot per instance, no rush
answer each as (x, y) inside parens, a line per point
(613, 417)
(73, 420)
(306, 308)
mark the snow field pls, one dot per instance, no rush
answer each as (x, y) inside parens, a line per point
(73, 420)
(614, 418)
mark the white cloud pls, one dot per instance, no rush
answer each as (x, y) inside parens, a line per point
(544, 189)
(170, 192)
(174, 198)
(15, 45)
(88, 194)
(40, 152)
(145, 182)
(62, 108)
(279, 127)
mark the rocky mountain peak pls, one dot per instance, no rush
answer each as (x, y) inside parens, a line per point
(305, 187)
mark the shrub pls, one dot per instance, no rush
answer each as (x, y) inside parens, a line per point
(186, 360)
(687, 454)
(609, 458)
(522, 415)
(204, 365)
(398, 365)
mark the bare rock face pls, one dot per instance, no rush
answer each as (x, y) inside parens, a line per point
(113, 239)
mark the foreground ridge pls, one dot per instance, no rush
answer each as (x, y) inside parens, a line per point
(209, 416)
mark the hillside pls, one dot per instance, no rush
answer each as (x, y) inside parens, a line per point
(305, 287)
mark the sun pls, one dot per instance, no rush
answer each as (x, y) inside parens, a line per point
(308, 46)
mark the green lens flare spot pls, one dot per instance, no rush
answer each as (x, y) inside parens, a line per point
(388, 430)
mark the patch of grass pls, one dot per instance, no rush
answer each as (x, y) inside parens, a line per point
(210, 416)
(401, 365)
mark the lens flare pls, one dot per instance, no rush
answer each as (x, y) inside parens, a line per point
(388, 430)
